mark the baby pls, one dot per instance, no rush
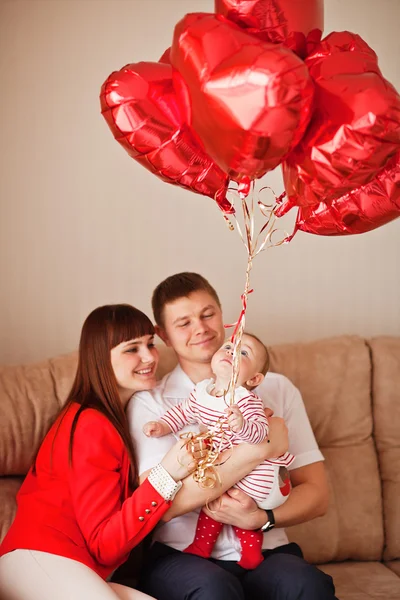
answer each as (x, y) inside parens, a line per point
(245, 422)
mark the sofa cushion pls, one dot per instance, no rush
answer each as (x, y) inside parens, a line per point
(334, 378)
(28, 405)
(363, 581)
(349, 530)
(9, 487)
(394, 565)
(386, 408)
(167, 362)
(63, 370)
(30, 397)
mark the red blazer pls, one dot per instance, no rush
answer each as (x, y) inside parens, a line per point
(84, 511)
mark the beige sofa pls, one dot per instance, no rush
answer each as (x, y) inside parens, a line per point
(351, 388)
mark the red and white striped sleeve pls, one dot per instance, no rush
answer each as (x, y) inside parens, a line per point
(285, 460)
(182, 414)
(255, 427)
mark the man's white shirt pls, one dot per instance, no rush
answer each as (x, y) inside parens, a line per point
(277, 393)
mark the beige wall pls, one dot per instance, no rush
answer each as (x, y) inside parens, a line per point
(82, 224)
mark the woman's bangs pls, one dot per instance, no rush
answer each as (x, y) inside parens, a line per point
(129, 323)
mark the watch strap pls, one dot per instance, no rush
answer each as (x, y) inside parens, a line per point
(270, 523)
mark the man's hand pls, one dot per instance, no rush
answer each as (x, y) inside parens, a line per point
(156, 429)
(236, 508)
(235, 418)
(278, 437)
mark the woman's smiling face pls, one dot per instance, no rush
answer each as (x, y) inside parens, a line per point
(134, 364)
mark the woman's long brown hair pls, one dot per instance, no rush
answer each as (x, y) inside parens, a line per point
(95, 385)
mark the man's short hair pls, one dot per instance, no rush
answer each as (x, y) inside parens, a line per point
(178, 286)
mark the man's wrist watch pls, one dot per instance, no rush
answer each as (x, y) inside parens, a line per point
(270, 524)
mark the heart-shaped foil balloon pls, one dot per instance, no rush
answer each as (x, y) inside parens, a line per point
(295, 23)
(355, 128)
(249, 101)
(363, 209)
(140, 106)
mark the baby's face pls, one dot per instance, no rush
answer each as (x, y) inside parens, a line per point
(251, 360)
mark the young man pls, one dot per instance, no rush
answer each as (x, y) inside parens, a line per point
(189, 319)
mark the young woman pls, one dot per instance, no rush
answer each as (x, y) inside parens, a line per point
(81, 509)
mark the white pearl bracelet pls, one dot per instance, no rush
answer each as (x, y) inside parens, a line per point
(162, 481)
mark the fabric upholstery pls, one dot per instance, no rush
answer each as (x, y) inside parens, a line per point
(30, 399)
(334, 377)
(386, 409)
(394, 565)
(28, 405)
(62, 371)
(363, 581)
(167, 362)
(9, 487)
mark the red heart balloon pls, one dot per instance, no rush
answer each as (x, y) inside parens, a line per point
(165, 58)
(355, 128)
(362, 210)
(294, 23)
(139, 104)
(249, 101)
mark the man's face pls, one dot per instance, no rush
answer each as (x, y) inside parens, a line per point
(193, 327)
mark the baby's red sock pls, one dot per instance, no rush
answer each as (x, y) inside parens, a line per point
(251, 544)
(207, 532)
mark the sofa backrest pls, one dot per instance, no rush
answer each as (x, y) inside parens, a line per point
(30, 397)
(386, 411)
(334, 377)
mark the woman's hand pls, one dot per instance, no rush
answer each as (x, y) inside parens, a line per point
(181, 459)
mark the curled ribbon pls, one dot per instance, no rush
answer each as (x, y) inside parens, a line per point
(236, 325)
(205, 473)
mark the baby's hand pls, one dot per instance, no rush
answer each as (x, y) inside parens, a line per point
(235, 418)
(156, 429)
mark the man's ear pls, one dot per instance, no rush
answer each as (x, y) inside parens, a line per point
(254, 381)
(163, 335)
